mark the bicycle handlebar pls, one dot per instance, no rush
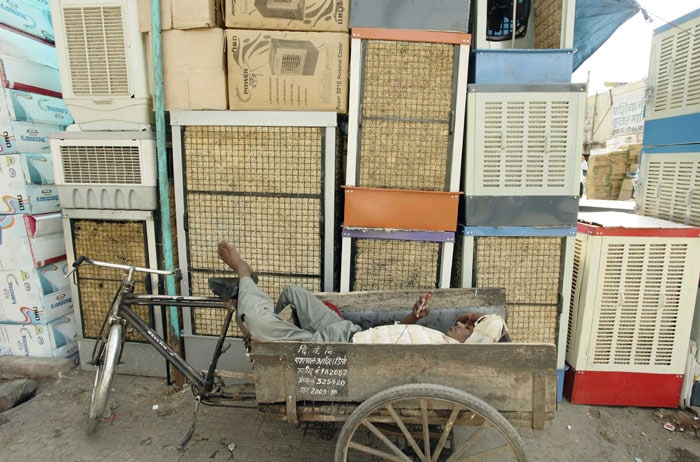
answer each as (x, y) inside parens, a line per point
(81, 260)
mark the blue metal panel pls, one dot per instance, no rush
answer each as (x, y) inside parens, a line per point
(672, 149)
(521, 211)
(403, 235)
(435, 15)
(516, 231)
(521, 66)
(683, 129)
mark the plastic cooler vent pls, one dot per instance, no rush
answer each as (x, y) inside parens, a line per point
(102, 62)
(105, 170)
(632, 288)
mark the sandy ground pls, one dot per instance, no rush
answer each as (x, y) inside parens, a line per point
(151, 416)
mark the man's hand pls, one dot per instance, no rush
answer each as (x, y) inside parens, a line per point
(419, 310)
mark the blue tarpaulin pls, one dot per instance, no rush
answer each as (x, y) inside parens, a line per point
(596, 21)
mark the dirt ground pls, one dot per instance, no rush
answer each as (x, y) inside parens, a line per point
(151, 417)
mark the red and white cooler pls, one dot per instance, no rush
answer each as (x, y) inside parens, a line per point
(634, 286)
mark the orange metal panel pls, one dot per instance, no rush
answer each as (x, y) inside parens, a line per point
(401, 209)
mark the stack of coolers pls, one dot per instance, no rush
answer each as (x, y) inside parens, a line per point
(36, 312)
(264, 173)
(634, 326)
(105, 163)
(520, 178)
(408, 77)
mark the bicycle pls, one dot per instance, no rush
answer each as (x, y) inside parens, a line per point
(208, 388)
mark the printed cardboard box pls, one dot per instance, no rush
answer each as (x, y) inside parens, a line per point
(194, 69)
(301, 15)
(293, 71)
(26, 184)
(27, 17)
(27, 47)
(25, 136)
(55, 339)
(31, 240)
(35, 295)
(33, 107)
(26, 75)
(182, 14)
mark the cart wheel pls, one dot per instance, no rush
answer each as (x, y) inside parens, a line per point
(426, 422)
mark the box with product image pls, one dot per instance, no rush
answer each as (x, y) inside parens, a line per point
(28, 47)
(292, 71)
(27, 17)
(26, 184)
(194, 69)
(33, 107)
(31, 240)
(35, 295)
(25, 136)
(301, 15)
(55, 339)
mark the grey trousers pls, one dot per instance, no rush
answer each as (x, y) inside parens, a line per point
(318, 322)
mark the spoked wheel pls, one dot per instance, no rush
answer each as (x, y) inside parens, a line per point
(105, 358)
(427, 423)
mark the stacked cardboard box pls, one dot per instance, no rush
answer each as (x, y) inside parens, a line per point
(35, 302)
(292, 57)
(608, 171)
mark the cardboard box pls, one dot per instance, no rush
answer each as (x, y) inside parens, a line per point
(31, 240)
(301, 15)
(25, 136)
(26, 184)
(194, 69)
(35, 295)
(27, 47)
(33, 107)
(28, 18)
(182, 14)
(56, 339)
(293, 71)
(166, 16)
(27, 75)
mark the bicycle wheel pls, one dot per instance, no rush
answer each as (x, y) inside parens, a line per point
(105, 360)
(427, 423)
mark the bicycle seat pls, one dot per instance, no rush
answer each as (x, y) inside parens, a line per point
(226, 287)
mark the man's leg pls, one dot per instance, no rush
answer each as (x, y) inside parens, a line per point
(255, 307)
(315, 317)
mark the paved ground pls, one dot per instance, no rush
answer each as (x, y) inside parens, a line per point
(49, 427)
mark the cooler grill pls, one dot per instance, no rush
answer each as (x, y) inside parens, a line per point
(101, 164)
(96, 50)
(261, 188)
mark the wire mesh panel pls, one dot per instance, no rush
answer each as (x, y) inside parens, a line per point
(530, 269)
(122, 242)
(260, 187)
(548, 23)
(405, 134)
(384, 264)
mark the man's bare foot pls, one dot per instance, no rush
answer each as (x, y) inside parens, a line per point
(229, 254)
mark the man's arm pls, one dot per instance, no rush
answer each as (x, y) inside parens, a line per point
(420, 309)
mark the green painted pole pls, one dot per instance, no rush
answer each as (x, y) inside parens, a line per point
(163, 186)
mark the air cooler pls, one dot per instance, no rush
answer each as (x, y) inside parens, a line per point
(632, 300)
(292, 57)
(105, 170)
(102, 61)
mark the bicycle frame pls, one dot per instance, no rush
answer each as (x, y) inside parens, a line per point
(125, 299)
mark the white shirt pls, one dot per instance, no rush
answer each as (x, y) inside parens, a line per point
(402, 334)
